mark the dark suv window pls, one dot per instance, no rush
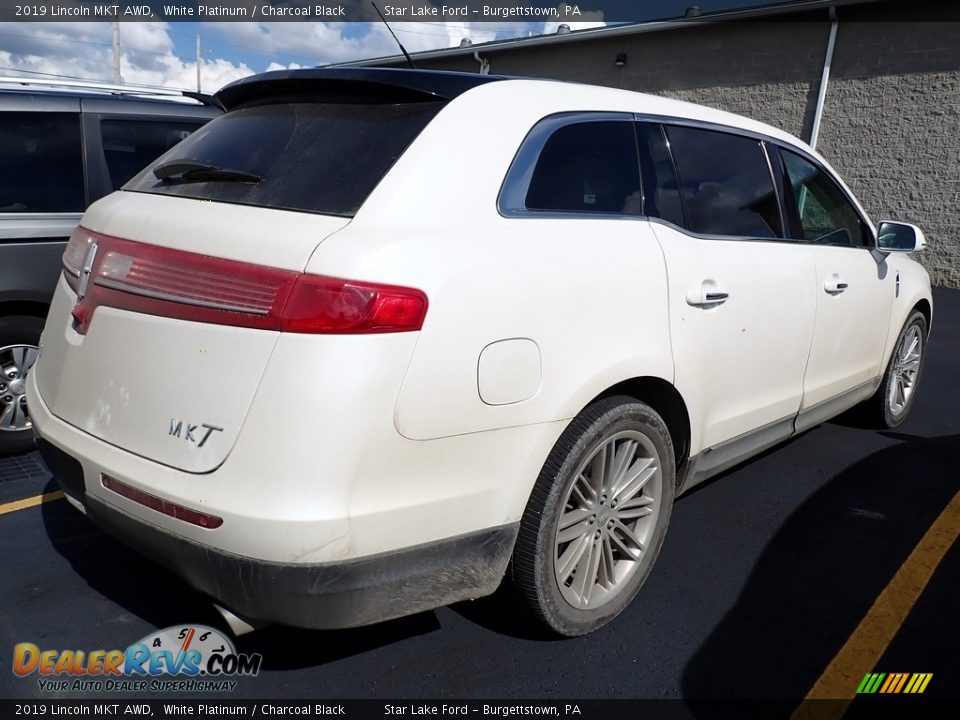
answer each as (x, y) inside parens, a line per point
(323, 158)
(726, 184)
(824, 213)
(660, 189)
(131, 145)
(42, 161)
(588, 167)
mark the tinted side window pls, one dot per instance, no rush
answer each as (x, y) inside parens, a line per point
(588, 167)
(726, 183)
(661, 193)
(317, 157)
(825, 215)
(42, 161)
(130, 145)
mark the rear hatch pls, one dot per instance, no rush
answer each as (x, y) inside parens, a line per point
(195, 267)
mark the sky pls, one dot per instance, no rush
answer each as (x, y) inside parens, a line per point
(161, 53)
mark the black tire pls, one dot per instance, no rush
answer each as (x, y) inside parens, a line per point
(16, 330)
(538, 546)
(879, 410)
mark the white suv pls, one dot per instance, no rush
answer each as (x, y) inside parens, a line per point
(372, 337)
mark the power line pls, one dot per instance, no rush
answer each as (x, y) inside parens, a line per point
(37, 72)
(264, 53)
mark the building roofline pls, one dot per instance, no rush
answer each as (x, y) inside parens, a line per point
(609, 31)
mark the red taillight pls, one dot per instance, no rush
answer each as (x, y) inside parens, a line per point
(166, 507)
(188, 286)
(320, 304)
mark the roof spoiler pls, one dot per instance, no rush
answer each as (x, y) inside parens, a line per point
(349, 85)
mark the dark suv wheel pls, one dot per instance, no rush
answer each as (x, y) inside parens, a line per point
(19, 340)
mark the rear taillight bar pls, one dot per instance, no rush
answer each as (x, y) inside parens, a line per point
(177, 284)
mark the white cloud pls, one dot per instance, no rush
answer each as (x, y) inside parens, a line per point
(84, 49)
(324, 43)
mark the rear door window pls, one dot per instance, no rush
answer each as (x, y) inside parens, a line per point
(660, 188)
(315, 157)
(588, 167)
(726, 183)
(42, 160)
(130, 145)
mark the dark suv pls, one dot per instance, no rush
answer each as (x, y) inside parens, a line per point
(62, 146)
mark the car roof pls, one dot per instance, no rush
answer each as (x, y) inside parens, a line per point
(365, 84)
(53, 90)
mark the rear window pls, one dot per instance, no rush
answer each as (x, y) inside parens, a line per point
(588, 167)
(322, 158)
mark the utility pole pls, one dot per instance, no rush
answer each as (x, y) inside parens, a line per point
(117, 76)
(198, 63)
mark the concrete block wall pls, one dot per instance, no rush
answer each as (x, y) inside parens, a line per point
(891, 120)
(891, 126)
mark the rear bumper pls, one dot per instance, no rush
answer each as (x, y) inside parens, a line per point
(330, 595)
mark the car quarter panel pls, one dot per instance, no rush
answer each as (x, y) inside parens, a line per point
(29, 270)
(911, 287)
(589, 292)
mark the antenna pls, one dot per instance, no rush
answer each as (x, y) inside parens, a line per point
(402, 48)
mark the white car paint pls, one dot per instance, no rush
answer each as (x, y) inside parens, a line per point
(338, 447)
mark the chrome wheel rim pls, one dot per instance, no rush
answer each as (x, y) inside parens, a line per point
(608, 520)
(15, 362)
(906, 367)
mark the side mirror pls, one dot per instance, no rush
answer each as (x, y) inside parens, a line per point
(900, 237)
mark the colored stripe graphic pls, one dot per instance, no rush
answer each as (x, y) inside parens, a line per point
(903, 679)
(894, 683)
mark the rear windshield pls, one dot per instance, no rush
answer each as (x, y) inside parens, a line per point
(322, 158)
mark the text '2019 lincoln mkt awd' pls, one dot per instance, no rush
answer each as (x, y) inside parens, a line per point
(374, 339)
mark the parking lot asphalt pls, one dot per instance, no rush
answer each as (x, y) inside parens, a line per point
(767, 574)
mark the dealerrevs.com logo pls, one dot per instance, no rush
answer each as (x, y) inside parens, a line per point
(187, 658)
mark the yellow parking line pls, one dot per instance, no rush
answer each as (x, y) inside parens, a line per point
(869, 641)
(30, 502)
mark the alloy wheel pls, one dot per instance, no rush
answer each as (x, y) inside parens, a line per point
(906, 367)
(15, 362)
(609, 516)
